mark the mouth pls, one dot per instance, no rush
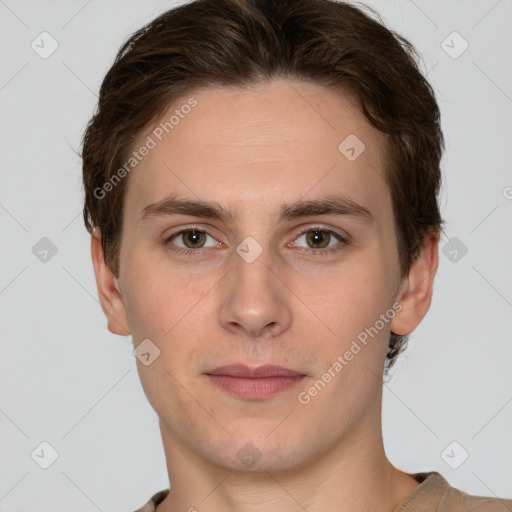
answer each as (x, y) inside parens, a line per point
(254, 383)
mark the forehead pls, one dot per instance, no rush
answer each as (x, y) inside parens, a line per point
(275, 142)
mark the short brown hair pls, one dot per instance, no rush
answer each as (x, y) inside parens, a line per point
(239, 43)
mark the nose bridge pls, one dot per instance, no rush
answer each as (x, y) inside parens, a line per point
(253, 274)
(253, 299)
(254, 267)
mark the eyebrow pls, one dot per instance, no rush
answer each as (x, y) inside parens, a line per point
(330, 205)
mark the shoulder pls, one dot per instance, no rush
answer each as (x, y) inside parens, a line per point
(151, 505)
(435, 494)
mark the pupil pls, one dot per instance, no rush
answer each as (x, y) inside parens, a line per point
(194, 237)
(318, 237)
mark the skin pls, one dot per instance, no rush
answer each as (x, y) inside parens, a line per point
(253, 151)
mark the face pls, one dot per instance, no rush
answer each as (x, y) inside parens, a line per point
(259, 232)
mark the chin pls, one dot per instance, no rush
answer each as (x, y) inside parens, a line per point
(255, 451)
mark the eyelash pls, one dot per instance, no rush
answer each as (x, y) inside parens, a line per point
(319, 252)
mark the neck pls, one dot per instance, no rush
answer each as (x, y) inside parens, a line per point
(353, 474)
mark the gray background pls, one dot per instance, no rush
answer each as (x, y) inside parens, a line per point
(66, 380)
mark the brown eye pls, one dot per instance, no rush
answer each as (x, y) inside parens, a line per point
(190, 240)
(318, 239)
(193, 238)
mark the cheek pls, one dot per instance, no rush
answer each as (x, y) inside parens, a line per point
(169, 307)
(349, 298)
(162, 309)
(157, 295)
(156, 306)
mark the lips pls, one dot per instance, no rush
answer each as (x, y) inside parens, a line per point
(254, 383)
(239, 370)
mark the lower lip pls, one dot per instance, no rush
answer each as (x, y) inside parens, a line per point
(255, 388)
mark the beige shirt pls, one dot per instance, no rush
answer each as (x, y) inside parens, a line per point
(434, 494)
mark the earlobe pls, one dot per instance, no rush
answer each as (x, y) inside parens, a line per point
(415, 294)
(108, 289)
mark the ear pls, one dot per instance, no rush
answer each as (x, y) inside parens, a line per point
(415, 293)
(108, 289)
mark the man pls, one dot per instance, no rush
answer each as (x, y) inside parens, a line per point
(261, 184)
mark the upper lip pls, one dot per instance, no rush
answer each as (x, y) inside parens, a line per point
(240, 370)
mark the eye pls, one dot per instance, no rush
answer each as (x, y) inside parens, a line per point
(192, 239)
(320, 238)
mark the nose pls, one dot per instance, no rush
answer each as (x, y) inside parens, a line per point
(255, 302)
